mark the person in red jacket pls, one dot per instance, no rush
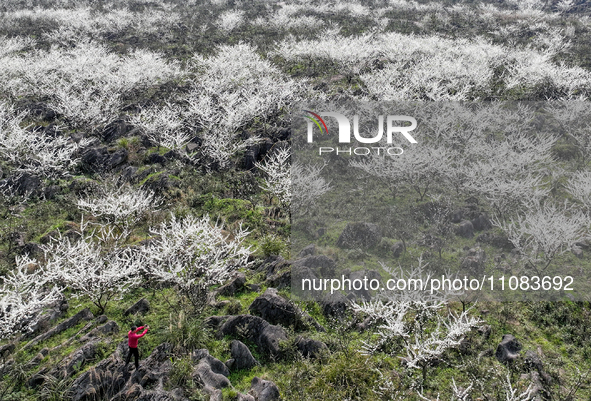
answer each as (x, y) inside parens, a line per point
(132, 342)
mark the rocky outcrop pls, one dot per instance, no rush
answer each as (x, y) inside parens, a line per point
(210, 373)
(111, 327)
(236, 284)
(508, 350)
(465, 229)
(310, 348)
(241, 357)
(359, 235)
(81, 316)
(111, 379)
(264, 390)
(251, 328)
(141, 306)
(278, 310)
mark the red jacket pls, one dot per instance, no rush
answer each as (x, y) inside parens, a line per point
(133, 336)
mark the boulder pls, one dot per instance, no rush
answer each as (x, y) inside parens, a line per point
(251, 328)
(118, 129)
(216, 365)
(334, 305)
(23, 183)
(577, 251)
(321, 265)
(310, 348)
(209, 380)
(465, 229)
(359, 235)
(118, 158)
(264, 390)
(83, 315)
(241, 356)
(94, 159)
(280, 280)
(481, 222)
(273, 264)
(310, 250)
(278, 310)
(397, 249)
(508, 350)
(111, 327)
(236, 284)
(141, 306)
(210, 373)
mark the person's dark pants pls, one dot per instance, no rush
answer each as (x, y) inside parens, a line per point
(136, 354)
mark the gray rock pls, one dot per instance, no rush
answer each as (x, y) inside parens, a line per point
(321, 265)
(33, 363)
(533, 362)
(210, 373)
(233, 286)
(108, 328)
(465, 229)
(334, 305)
(245, 397)
(481, 222)
(83, 315)
(264, 390)
(457, 216)
(273, 264)
(216, 365)
(310, 250)
(141, 306)
(6, 350)
(251, 328)
(310, 348)
(282, 279)
(508, 350)
(105, 379)
(242, 356)
(205, 377)
(359, 235)
(278, 310)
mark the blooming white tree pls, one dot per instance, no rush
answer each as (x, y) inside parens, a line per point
(232, 89)
(278, 176)
(307, 186)
(119, 206)
(163, 126)
(513, 393)
(545, 231)
(193, 254)
(83, 83)
(90, 270)
(416, 317)
(29, 151)
(230, 20)
(24, 295)
(293, 184)
(579, 186)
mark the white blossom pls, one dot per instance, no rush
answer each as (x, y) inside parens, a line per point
(23, 296)
(194, 254)
(90, 270)
(545, 231)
